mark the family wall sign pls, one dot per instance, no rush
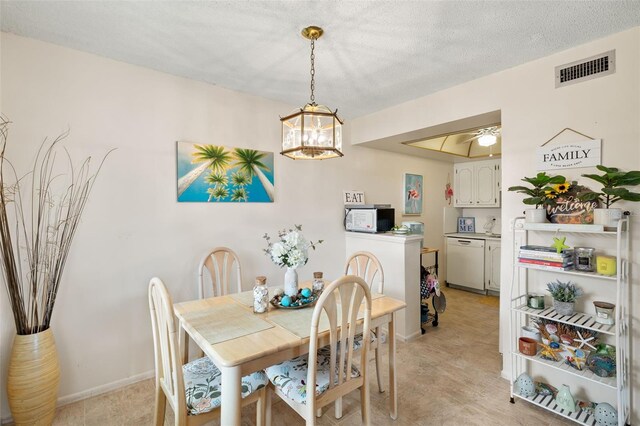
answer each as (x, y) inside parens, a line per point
(572, 155)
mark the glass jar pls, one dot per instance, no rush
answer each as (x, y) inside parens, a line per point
(318, 282)
(584, 259)
(260, 295)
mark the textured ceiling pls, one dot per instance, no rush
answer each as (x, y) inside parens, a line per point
(374, 54)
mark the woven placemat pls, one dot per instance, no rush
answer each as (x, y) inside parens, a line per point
(226, 322)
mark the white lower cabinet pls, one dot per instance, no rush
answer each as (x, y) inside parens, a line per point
(492, 265)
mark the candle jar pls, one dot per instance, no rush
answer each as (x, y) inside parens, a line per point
(260, 295)
(318, 282)
(604, 312)
(606, 265)
(584, 259)
(535, 301)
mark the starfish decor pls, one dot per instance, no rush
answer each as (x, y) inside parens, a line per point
(549, 353)
(558, 244)
(582, 341)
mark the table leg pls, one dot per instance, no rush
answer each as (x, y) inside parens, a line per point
(393, 383)
(231, 396)
(183, 341)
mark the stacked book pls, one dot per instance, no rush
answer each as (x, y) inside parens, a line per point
(541, 257)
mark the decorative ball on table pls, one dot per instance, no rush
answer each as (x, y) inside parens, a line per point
(306, 292)
(285, 301)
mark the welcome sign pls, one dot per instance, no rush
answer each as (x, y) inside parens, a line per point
(570, 155)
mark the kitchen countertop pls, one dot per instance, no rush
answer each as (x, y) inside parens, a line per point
(478, 236)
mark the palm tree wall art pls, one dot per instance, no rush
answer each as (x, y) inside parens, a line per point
(216, 173)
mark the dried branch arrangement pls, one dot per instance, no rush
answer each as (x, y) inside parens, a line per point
(39, 216)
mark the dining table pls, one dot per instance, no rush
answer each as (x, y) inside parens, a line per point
(239, 341)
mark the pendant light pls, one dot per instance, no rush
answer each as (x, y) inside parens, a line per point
(313, 132)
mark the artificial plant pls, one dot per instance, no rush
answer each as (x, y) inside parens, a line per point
(39, 216)
(541, 193)
(612, 181)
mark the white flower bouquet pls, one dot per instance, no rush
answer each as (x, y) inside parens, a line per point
(292, 249)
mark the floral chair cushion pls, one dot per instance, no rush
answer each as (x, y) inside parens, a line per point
(357, 340)
(291, 376)
(202, 385)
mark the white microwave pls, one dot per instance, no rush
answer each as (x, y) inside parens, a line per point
(369, 219)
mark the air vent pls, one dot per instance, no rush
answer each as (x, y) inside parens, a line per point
(586, 69)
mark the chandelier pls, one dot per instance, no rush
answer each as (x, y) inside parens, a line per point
(313, 132)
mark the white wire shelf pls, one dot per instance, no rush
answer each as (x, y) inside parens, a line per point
(578, 319)
(585, 373)
(569, 272)
(547, 402)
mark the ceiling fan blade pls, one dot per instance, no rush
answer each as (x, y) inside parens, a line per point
(468, 140)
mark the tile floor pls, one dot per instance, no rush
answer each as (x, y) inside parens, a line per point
(449, 376)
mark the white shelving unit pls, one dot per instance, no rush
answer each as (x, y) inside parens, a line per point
(521, 314)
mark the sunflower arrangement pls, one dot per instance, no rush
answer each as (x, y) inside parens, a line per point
(557, 189)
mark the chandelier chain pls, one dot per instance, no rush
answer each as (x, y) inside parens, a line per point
(313, 71)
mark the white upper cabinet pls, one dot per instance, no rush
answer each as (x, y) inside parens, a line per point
(477, 184)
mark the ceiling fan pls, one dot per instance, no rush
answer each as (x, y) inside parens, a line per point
(486, 137)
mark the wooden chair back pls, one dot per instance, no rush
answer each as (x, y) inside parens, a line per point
(165, 344)
(341, 302)
(225, 274)
(365, 265)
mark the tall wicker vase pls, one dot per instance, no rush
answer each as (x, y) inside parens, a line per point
(33, 378)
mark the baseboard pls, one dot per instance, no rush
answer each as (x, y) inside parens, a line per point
(108, 387)
(98, 390)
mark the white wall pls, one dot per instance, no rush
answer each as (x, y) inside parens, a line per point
(532, 112)
(133, 228)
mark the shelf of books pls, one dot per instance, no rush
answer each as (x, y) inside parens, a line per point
(548, 259)
(568, 271)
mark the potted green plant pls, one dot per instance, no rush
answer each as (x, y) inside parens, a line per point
(564, 296)
(39, 216)
(541, 193)
(613, 182)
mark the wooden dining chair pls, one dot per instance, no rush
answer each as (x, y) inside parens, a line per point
(331, 367)
(193, 390)
(222, 265)
(366, 266)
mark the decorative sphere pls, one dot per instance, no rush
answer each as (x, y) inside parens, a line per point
(278, 292)
(286, 301)
(306, 292)
(606, 415)
(554, 345)
(524, 386)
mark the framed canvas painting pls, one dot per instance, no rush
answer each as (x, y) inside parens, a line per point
(222, 174)
(412, 194)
